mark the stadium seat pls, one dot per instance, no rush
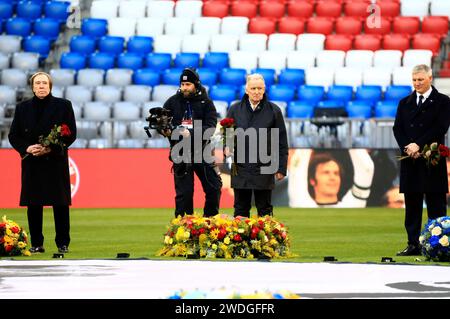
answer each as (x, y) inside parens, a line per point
(414, 57)
(6, 10)
(348, 25)
(341, 42)
(387, 58)
(28, 61)
(162, 92)
(292, 76)
(18, 26)
(130, 143)
(435, 25)
(171, 76)
(281, 42)
(206, 25)
(133, 9)
(102, 60)
(348, 76)
(321, 25)
(122, 27)
(300, 109)
(243, 60)
(72, 60)
(5, 62)
(58, 10)
(359, 59)
(215, 9)
(377, 76)
(417, 8)
(255, 42)
(272, 60)
(234, 25)
(196, 43)
(47, 27)
(384, 27)
(397, 92)
(104, 9)
(328, 9)
(91, 77)
(369, 93)
(221, 108)
(269, 75)
(161, 9)
(100, 143)
(141, 45)
(367, 42)
(187, 60)
(167, 44)
(83, 44)
(38, 44)
(320, 76)
(148, 77)
(232, 76)
(130, 60)
(10, 43)
(389, 8)
(158, 61)
(386, 109)
(330, 59)
(223, 92)
(357, 109)
(340, 92)
(402, 75)
(301, 59)
(422, 41)
(440, 7)
(356, 9)
(396, 42)
(15, 78)
(150, 27)
(208, 76)
(311, 93)
(310, 42)
(95, 28)
(406, 25)
(97, 110)
(300, 9)
(30, 10)
(224, 43)
(188, 9)
(111, 44)
(107, 94)
(263, 25)
(63, 77)
(272, 9)
(126, 110)
(282, 92)
(216, 60)
(8, 95)
(247, 9)
(78, 94)
(292, 25)
(178, 26)
(139, 94)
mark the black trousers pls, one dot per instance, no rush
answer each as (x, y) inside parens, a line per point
(184, 188)
(62, 225)
(243, 201)
(436, 207)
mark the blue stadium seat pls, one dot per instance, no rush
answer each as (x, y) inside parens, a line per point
(268, 74)
(140, 45)
(292, 76)
(146, 77)
(232, 76)
(241, 91)
(223, 92)
(102, 60)
(342, 93)
(58, 10)
(82, 44)
(38, 44)
(171, 76)
(6, 10)
(30, 10)
(370, 93)
(47, 27)
(207, 76)
(386, 109)
(216, 60)
(158, 61)
(311, 93)
(72, 60)
(18, 26)
(358, 110)
(397, 92)
(282, 92)
(187, 60)
(300, 109)
(111, 44)
(95, 28)
(129, 60)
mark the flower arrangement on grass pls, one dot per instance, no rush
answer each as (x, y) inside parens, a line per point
(435, 239)
(13, 239)
(224, 236)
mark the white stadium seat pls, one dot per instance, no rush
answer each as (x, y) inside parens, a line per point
(196, 43)
(255, 42)
(359, 59)
(150, 26)
(377, 76)
(62, 77)
(160, 9)
(16, 78)
(98, 111)
(90, 77)
(301, 59)
(189, 8)
(132, 9)
(108, 94)
(415, 57)
(224, 43)
(272, 60)
(25, 61)
(234, 25)
(243, 60)
(78, 94)
(440, 8)
(348, 76)
(402, 75)
(310, 42)
(206, 25)
(330, 59)
(126, 111)
(162, 92)
(387, 58)
(415, 8)
(319, 76)
(283, 42)
(122, 27)
(167, 44)
(104, 9)
(137, 93)
(178, 26)
(119, 77)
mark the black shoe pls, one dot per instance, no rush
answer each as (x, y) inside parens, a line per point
(38, 249)
(410, 250)
(63, 249)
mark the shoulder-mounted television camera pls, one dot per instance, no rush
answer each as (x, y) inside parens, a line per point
(160, 119)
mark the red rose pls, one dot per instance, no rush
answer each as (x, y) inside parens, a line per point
(237, 237)
(15, 229)
(222, 233)
(227, 122)
(8, 248)
(65, 131)
(254, 233)
(201, 230)
(444, 151)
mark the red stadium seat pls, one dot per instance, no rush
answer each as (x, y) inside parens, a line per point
(389, 8)
(367, 42)
(444, 73)
(215, 9)
(395, 41)
(247, 9)
(357, 9)
(291, 25)
(328, 9)
(406, 25)
(262, 25)
(341, 42)
(272, 9)
(446, 64)
(435, 24)
(348, 25)
(427, 41)
(301, 9)
(385, 26)
(324, 25)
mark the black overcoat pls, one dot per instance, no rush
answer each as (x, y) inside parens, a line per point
(266, 115)
(45, 179)
(424, 126)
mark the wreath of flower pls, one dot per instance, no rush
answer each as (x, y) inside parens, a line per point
(435, 239)
(13, 239)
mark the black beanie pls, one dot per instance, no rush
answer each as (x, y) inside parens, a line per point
(189, 75)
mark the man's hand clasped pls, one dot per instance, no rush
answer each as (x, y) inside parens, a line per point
(38, 150)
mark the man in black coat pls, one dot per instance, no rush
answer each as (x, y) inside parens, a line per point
(45, 169)
(422, 118)
(255, 174)
(193, 112)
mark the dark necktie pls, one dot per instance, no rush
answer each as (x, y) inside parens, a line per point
(419, 105)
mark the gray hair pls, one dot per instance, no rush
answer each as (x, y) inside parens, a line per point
(254, 76)
(422, 68)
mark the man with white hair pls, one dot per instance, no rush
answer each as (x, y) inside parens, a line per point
(422, 118)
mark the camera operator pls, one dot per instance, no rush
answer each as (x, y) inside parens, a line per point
(191, 103)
